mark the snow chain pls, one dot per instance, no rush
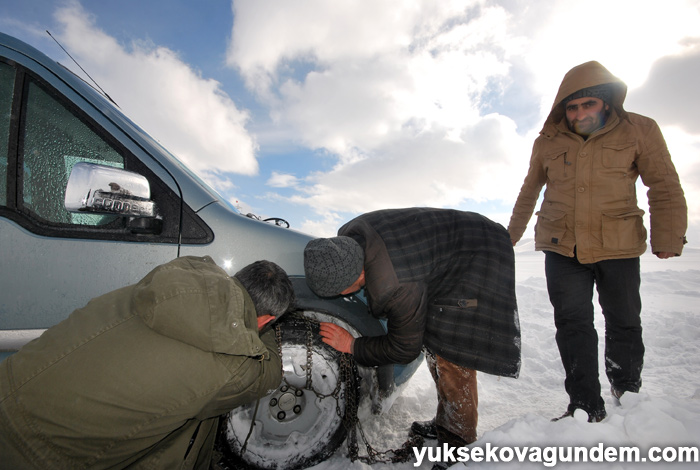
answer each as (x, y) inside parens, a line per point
(350, 377)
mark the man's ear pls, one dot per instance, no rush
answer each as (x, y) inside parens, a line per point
(264, 320)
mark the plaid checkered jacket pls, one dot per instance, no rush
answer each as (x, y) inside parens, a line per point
(443, 279)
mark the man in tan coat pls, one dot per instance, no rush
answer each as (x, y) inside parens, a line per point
(589, 154)
(139, 376)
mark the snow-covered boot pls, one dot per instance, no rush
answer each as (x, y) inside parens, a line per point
(616, 393)
(595, 417)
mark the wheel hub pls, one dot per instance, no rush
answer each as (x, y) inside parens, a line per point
(286, 403)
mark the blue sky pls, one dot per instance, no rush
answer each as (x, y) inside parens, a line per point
(317, 111)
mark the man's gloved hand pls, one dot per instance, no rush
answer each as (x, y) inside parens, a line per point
(337, 337)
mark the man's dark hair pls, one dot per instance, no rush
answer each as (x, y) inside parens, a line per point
(268, 286)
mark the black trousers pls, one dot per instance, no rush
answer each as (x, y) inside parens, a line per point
(570, 286)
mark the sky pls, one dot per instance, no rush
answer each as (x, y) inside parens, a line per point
(317, 111)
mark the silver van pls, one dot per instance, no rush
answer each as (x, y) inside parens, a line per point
(89, 202)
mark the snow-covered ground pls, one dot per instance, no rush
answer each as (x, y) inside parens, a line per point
(518, 412)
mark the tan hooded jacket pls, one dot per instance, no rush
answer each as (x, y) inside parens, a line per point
(590, 202)
(131, 378)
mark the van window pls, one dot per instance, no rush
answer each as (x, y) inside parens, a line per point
(55, 139)
(7, 85)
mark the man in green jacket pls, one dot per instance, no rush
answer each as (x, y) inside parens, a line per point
(139, 376)
(590, 154)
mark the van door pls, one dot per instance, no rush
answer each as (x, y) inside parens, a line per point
(54, 261)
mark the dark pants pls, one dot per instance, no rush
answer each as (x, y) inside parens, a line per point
(570, 286)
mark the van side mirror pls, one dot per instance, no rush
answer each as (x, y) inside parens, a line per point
(101, 189)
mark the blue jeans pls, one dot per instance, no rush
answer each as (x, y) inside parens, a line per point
(570, 286)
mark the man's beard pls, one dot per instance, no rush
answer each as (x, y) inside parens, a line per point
(590, 124)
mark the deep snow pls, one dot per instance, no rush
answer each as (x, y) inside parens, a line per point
(517, 412)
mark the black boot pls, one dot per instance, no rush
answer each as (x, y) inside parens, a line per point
(426, 429)
(594, 417)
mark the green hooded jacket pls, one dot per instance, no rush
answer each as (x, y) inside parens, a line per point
(130, 379)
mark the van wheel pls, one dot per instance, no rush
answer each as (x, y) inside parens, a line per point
(295, 426)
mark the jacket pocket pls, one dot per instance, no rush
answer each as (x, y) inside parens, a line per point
(550, 227)
(554, 154)
(460, 303)
(619, 155)
(623, 231)
(556, 163)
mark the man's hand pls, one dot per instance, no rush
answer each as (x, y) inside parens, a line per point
(665, 254)
(337, 337)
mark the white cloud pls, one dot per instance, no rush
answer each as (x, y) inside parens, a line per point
(270, 32)
(685, 152)
(671, 93)
(428, 170)
(396, 96)
(346, 79)
(626, 36)
(325, 226)
(188, 114)
(281, 180)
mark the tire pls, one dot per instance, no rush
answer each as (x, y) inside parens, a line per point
(294, 427)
